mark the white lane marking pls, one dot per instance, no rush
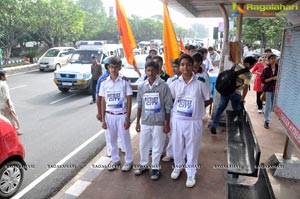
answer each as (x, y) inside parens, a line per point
(47, 173)
(62, 99)
(78, 187)
(18, 87)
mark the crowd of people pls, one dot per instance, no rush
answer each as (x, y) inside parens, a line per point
(168, 107)
(164, 103)
(171, 108)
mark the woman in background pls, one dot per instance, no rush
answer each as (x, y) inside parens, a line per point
(257, 69)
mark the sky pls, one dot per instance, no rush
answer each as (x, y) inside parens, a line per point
(148, 8)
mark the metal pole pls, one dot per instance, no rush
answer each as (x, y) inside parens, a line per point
(225, 50)
(288, 149)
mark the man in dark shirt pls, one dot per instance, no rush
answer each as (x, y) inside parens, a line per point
(96, 71)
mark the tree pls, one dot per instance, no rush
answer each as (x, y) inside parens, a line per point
(268, 31)
(95, 20)
(55, 21)
(13, 16)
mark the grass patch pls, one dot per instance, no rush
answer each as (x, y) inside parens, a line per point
(15, 64)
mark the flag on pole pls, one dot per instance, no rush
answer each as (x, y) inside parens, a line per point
(182, 47)
(125, 34)
(171, 48)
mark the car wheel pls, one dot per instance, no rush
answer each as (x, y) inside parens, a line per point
(11, 178)
(41, 69)
(57, 66)
(64, 90)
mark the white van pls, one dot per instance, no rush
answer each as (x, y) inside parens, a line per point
(55, 58)
(76, 75)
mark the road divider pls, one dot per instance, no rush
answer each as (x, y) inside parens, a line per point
(20, 69)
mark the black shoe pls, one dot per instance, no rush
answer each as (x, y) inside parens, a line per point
(266, 125)
(155, 174)
(213, 130)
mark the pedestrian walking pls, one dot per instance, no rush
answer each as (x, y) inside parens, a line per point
(257, 70)
(239, 95)
(6, 105)
(269, 79)
(96, 71)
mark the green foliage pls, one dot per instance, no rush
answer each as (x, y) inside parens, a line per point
(13, 14)
(30, 54)
(15, 64)
(55, 21)
(268, 31)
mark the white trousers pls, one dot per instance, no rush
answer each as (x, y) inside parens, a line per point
(151, 137)
(186, 140)
(115, 127)
(108, 144)
(169, 149)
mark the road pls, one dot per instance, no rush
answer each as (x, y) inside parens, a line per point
(61, 133)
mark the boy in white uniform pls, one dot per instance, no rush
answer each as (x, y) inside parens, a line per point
(198, 71)
(177, 73)
(191, 97)
(116, 93)
(154, 106)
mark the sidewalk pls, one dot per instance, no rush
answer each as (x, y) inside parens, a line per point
(97, 183)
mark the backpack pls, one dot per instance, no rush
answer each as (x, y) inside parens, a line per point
(226, 80)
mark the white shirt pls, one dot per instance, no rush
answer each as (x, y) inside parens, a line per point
(189, 98)
(205, 79)
(171, 79)
(207, 65)
(4, 94)
(115, 93)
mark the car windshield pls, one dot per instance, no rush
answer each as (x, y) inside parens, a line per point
(140, 60)
(85, 57)
(52, 53)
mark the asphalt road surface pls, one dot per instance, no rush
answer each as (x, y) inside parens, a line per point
(61, 133)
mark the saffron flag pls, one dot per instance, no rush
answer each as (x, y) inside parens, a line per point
(182, 47)
(125, 34)
(171, 48)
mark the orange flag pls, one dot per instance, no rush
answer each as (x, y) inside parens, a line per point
(125, 34)
(182, 47)
(171, 48)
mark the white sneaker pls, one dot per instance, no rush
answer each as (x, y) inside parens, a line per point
(108, 152)
(259, 111)
(175, 173)
(191, 181)
(127, 167)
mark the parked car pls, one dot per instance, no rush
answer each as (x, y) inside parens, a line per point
(55, 58)
(12, 162)
(128, 70)
(259, 51)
